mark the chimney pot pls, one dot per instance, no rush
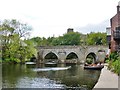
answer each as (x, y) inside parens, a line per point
(118, 7)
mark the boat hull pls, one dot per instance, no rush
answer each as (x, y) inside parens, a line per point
(30, 63)
(94, 67)
(49, 64)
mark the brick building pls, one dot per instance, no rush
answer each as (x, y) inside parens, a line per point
(114, 43)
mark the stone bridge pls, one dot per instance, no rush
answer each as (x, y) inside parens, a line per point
(77, 54)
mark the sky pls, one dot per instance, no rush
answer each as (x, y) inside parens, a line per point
(53, 17)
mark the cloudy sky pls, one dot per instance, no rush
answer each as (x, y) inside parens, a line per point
(54, 17)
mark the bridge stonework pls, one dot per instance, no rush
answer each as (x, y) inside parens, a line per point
(63, 51)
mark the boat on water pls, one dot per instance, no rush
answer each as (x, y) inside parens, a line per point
(51, 63)
(52, 68)
(30, 63)
(94, 67)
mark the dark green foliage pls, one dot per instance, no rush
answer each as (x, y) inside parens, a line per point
(71, 38)
(114, 56)
(38, 41)
(114, 62)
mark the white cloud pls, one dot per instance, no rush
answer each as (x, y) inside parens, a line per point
(53, 17)
(101, 27)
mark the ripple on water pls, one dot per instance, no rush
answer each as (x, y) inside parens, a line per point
(38, 83)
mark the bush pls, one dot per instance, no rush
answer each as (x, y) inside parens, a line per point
(114, 62)
(107, 61)
(113, 56)
(15, 60)
(12, 60)
(116, 66)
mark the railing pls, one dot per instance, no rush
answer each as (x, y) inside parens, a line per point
(116, 34)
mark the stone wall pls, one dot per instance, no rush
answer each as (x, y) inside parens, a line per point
(63, 51)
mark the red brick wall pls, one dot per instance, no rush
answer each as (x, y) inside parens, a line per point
(114, 24)
(119, 18)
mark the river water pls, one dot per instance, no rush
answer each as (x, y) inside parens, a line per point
(54, 78)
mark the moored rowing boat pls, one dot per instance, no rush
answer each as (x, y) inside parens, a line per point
(95, 67)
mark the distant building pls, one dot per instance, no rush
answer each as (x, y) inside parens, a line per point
(115, 31)
(70, 30)
(108, 30)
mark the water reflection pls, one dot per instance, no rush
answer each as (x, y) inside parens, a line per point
(38, 83)
(22, 76)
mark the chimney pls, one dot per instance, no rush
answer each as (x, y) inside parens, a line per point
(70, 30)
(118, 7)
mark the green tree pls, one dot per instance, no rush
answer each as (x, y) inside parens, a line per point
(30, 49)
(37, 41)
(58, 41)
(71, 38)
(96, 38)
(50, 40)
(12, 32)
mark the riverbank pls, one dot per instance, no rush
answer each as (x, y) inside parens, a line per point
(107, 80)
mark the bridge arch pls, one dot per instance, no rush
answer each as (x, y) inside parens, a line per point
(72, 55)
(51, 55)
(91, 58)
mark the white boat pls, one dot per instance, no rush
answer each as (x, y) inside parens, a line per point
(30, 63)
(52, 63)
(52, 69)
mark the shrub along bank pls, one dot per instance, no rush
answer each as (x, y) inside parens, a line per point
(114, 62)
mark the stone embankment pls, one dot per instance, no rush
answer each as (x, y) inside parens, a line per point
(107, 80)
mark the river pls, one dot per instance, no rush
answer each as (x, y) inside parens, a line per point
(54, 78)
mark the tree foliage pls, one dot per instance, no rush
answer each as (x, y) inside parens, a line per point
(13, 47)
(71, 38)
(114, 62)
(96, 38)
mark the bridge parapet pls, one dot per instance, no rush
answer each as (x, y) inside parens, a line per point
(59, 47)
